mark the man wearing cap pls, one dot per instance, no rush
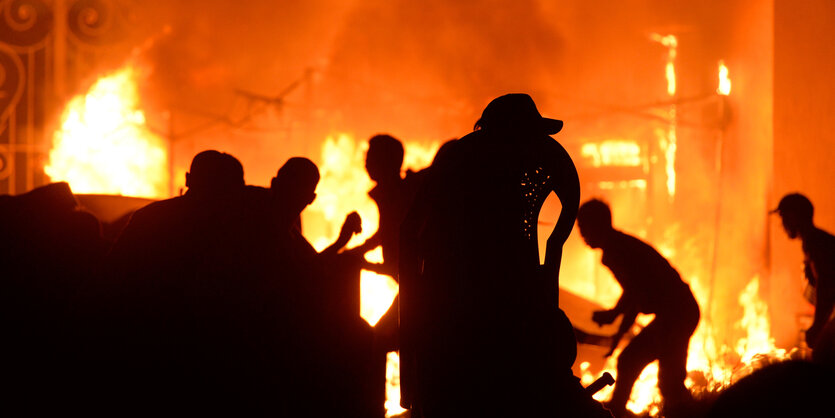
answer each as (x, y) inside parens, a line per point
(796, 212)
(650, 286)
(481, 331)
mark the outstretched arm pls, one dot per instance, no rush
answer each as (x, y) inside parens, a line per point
(629, 315)
(567, 187)
(624, 306)
(351, 226)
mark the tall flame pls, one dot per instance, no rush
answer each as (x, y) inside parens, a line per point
(669, 143)
(104, 145)
(758, 340)
(671, 42)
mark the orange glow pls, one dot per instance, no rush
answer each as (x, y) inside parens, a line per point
(671, 42)
(377, 290)
(755, 322)
(724, 82)
(393, 385)
(613, 152)
(669, 142)
(343, 188)
(711, 365)
(104, 146)
(670, 145)
(623, 184)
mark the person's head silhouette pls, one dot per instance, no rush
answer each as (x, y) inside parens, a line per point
(213, 173)
(594, 219)
(516, 113)
(796, 211)
(384, 158)
(294, 185)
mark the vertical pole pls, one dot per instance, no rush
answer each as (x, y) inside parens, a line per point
(59, 39)
(170, 118)
(30, 150)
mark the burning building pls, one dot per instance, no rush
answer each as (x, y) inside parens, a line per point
(690, 118)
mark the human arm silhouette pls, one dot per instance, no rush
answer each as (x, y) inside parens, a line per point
(379, 268)
(566, 185)
(370, 243)
(351, 226)
(629, 311)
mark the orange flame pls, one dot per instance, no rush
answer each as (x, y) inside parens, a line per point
(104, 146)
(668, 143)
(671, 42)
(393, 385)
(724, 81)
(613, 152)
(711, 365)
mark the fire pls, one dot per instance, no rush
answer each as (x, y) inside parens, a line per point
(393, 385)
(623, 184)
(671, 42)
(669, 139)
(758, 340)
(669, 143)
(711, 365)
(724, 82)
(613, 152)
(344, 188)
(104, 145)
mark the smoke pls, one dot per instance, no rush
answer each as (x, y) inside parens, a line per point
(266, 80)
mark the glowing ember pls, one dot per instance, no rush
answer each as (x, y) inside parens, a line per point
(724, 82)
(104, 146)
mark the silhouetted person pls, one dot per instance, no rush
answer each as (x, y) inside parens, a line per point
(49, 249)
(796, 212)
(481, 332)
(293, 189)
(652, 286)
(393, 194)
(332, 344)
(193, 308)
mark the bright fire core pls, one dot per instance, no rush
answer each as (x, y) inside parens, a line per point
(104, 145)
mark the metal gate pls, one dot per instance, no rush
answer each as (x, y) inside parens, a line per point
(47, 49)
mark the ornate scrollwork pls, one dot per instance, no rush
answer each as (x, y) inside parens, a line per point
(12, 81)
(97, 21)
(25, 23)
(5, 172)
